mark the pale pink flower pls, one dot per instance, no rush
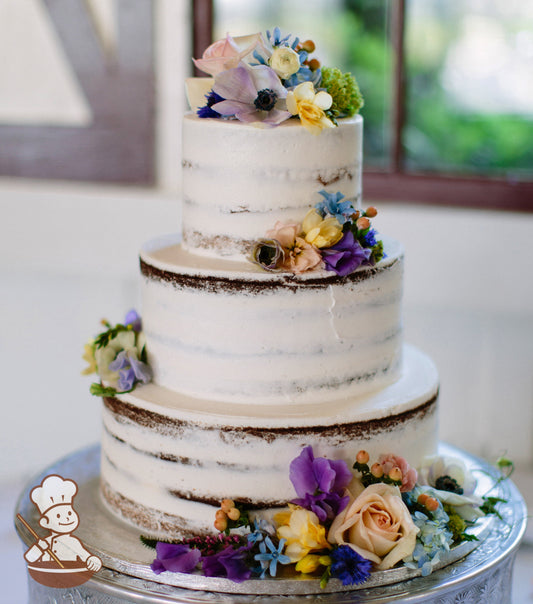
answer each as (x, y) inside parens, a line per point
(226, 54)
(409, 474)
(300, 256)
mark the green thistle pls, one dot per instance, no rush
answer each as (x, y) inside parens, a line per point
(347, 98)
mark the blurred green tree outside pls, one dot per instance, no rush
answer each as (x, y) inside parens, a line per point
(442, 133)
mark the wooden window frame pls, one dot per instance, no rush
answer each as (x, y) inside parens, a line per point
(397, 183)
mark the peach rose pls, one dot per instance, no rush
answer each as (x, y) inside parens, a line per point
(377, 525)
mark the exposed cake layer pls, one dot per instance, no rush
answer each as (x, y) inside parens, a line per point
(168, 460)
(239, 179)
(229, 331)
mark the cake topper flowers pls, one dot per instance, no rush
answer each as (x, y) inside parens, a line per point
(333, 235)
(268, 79)
(118, 357)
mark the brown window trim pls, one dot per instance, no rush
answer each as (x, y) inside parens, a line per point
(397, 184)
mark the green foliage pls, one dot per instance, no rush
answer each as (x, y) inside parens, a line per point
(347, 98)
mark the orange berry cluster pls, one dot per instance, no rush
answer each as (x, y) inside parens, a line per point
(430, 503)
(361, 218)
(309, 47)
(375, 473)
(226, 515)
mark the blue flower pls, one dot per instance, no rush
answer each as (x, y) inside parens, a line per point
(133, 319)
(269, 559)
(333, 206)
(369, 240)
(348, 566)
(206, 110)
(275, 38)
(130, 370)
(304, 74)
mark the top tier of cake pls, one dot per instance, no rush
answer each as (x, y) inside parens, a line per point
(240, 179)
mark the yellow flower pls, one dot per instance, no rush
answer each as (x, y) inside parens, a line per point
(308, 564)
(302, 531)
(284, 61)
(310, 106)
(88, 355)
(321, 232)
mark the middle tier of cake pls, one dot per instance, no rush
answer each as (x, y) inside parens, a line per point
(230, 331)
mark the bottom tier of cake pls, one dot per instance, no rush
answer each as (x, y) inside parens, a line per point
(168, 461)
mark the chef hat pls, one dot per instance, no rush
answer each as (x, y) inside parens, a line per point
(53, 491)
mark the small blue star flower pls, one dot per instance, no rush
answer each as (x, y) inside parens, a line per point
(334, 206)
(269, 559)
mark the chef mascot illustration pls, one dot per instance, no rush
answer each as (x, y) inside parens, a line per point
(53, 497)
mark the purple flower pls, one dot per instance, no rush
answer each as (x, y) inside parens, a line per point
(177, 558)
(320, 483)
(251, 94)
(228, 562)
(130, 370)
(348, 566)
(133, 319)
(206, 110)
(345, 256)
(333, 205)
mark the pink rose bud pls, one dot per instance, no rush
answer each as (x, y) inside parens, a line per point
(362, 457)
(234, 514)
(362, 223)
(377, 470)
(226, 505)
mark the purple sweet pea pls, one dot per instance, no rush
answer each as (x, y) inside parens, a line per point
(345, 256)
(251, 94)
(175, 557)
(133, 319)
(229, 562)
(320, 483)
(130, 370)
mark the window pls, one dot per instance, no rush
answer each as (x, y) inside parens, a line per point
(449, 111)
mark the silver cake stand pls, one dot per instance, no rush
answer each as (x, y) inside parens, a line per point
(482, 576)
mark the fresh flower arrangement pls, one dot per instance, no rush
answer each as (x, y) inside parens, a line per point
(270, 78)
(333, 235)
(118, 357)
(342, 524)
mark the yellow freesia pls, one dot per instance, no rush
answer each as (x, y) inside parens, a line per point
(308, 564)
(309, 105)
(321, 232)
(303, 533)
(88, 355)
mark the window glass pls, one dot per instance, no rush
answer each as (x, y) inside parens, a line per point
(349, 34)
(470, 87)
